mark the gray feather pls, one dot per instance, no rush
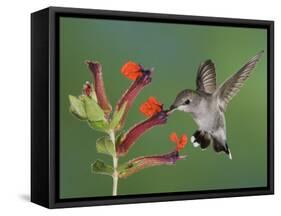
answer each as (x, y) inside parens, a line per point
(206, 77)
(232, 86)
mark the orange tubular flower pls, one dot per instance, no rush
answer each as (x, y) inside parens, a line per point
(142, 80)
(141, 163)
(180, 142)
(138, 130)
(131, 70)
(151, 107)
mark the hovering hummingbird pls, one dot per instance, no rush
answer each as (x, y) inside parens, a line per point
(208, 103)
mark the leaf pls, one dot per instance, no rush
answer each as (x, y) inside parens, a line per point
(125, 166)
(105, 146)
(99, 167)
(77, 108)
(93, 110)
(117, 116)
(120, 137)
(101, 126)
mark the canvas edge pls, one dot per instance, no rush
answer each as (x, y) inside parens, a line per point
(53, 202)
(40, 108)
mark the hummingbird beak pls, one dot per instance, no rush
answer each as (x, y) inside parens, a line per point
(171, 109)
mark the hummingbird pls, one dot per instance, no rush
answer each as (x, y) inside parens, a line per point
(207, 104)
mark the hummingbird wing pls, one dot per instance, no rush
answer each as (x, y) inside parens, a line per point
(206, 77)
(232, 85)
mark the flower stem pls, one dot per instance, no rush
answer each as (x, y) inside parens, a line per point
(115, 176)
(115, 165)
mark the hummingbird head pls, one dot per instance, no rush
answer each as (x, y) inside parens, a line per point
(187, 101)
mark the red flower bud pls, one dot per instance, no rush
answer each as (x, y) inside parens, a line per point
(96, 70)
(87, 89)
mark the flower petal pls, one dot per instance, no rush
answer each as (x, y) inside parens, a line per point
(131, 70)
(184, 139)
(151, 107)
(180, 143)
(174, 137)
(152, 100)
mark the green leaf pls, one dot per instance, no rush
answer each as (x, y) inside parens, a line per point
(93, 110)
(104, 145)
(101, 126)
(125, 166)
(99, 167)
(120, 137)
(117, 116)
(77, 108)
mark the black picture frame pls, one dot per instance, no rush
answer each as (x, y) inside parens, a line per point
(45, 106)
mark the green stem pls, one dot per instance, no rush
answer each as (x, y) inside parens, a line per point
(115, 166)
(115, 176)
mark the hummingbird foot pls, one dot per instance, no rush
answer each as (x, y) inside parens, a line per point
(194, 143)
(201, 138)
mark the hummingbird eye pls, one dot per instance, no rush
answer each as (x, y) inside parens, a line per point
(187, 102)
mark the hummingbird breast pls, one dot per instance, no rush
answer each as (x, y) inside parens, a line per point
(208, 116)
(206, 122)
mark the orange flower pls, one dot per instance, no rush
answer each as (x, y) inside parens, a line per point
(151, 107)
(132, 70)
(180, 143)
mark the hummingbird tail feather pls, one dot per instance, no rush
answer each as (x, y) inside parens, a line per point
(230, 155)
(221, 146)
(204, 139)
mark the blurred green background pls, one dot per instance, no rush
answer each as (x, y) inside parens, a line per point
(175, 51)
